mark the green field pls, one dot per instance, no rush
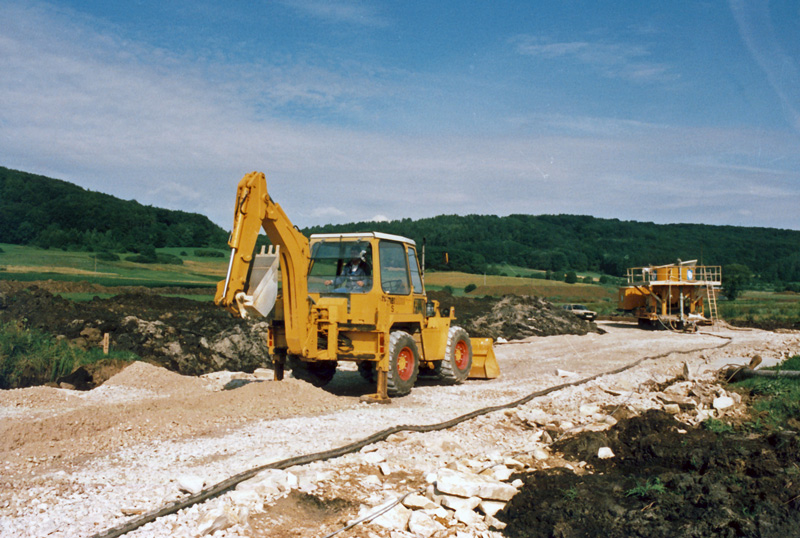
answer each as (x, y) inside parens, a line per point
(26, 263)
(31, 263)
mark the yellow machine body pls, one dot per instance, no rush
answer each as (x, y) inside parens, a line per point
(343, 297)
(672, 296)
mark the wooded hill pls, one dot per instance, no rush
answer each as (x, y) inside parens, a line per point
(580, 243)
(50, 213)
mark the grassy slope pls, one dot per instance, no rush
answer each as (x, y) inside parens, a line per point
(30, 263)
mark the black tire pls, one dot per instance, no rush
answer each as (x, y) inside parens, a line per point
(318, 374)
(403, 364)
(454, 368)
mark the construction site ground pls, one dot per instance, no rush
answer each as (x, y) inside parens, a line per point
(76, 463)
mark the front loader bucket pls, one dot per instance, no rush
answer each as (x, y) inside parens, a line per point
(484, 363)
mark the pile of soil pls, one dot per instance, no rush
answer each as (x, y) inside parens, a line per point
(667, 479)
(513, 317)
(197, 337)
(185, 336)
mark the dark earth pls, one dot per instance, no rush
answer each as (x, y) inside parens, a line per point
(194, 337)
(667, 479)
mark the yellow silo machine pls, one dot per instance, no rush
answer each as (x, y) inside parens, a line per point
(672, 296)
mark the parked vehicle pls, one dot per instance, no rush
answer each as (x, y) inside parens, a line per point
(581, 311)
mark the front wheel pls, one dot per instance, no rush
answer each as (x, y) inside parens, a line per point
(457, 362)
(403, 364)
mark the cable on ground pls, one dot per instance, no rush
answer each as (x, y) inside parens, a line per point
(228, 484)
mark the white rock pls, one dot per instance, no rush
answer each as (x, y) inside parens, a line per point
(540, 454)
(421, 524)
(373, 458)
(588, 410)
(191, 483)
(467, 517)
(723, 402)
(439, 512)
(672, 409)
(247, 498)
(463, 485)
(490, 508)
(213, 520)
(493, 522)
(605, 453)
(501, 340)
(564, 373)
(396, 518)
(385, 468)
(498, 472)
(372, 480)
(511, 463)
(456, 503)
(415, 501)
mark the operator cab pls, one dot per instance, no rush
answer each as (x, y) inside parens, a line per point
(358, 263)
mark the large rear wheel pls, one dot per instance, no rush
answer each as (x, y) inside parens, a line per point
(403, 364)
(457, 362)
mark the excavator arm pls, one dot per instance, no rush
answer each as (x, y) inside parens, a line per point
(255, 210)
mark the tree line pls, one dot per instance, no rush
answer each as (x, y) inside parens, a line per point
(50, 213)
(562, 243)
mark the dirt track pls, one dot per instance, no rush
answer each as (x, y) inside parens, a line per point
(77, 463)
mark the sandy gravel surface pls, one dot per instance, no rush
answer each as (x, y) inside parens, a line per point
(75, 464)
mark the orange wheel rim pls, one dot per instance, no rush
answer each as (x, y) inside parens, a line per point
(405, 363)
(461, 355)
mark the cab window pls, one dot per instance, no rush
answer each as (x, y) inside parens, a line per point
(394, 268)
(416, 279)
(340, 267)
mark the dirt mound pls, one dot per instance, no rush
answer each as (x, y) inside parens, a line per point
(514, 317)
(185, 336)
(667, 479)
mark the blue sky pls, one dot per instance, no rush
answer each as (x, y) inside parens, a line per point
(683, 111)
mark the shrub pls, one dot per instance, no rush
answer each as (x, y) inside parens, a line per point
(470, 287)
(208, 253)
(571, 278)
(107, 257)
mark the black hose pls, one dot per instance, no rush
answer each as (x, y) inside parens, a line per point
(230, 483)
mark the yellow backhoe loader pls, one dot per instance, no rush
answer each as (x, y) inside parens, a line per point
(343, 297)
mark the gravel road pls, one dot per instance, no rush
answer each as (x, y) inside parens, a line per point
(78, 463)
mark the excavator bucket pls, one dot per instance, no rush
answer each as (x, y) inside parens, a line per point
(484, 363)
(262, 287)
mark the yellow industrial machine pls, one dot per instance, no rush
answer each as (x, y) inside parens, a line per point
(672, 296)
(343, 297)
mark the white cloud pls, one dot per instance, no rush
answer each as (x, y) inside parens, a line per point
(136, 122)
(352, 12)
(613, 60)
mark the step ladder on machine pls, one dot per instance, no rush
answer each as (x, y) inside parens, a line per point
(711, 293)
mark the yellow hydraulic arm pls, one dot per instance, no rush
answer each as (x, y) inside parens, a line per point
(255, 210)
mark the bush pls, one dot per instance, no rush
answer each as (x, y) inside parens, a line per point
(571, 278)
(107, 257)
(208, 253)
(469, 287)
(168, 259)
